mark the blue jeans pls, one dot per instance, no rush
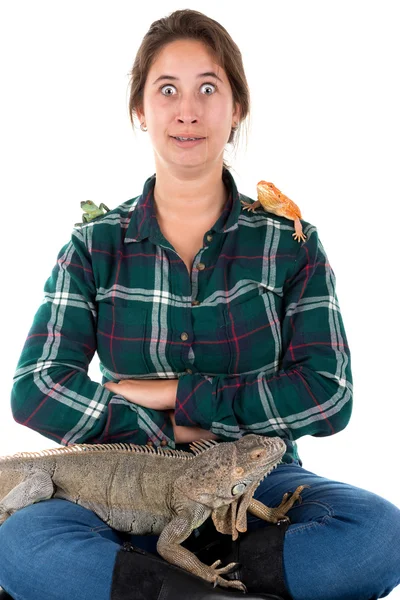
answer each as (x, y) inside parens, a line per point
(343, 543)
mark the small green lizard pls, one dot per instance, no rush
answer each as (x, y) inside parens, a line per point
(91, 211)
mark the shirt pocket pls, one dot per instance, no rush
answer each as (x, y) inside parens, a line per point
(252, 334)
(121, 338)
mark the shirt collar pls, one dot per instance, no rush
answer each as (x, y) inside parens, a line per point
(143, 222)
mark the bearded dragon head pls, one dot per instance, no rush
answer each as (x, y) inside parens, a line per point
(225, 475)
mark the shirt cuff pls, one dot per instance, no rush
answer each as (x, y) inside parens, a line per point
(195, 401)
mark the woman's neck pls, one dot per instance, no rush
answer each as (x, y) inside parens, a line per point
(190, 200)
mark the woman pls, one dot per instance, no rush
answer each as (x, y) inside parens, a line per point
(210, 323)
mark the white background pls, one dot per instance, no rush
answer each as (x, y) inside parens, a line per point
(324, 128)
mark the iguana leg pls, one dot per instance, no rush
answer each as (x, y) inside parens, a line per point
(168, 546)
(35, 488)
(273, 515)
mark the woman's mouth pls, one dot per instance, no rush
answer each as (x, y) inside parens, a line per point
(187, 143)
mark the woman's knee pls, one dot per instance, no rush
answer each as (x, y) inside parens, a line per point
(383, 524)
(356, 548)
(41, 523)
(38, 541)
(373, 557)
(373, 546)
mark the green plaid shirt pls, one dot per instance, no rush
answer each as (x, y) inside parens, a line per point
(254, 335)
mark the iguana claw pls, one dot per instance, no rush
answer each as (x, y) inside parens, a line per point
(216, 579)
(287, 502)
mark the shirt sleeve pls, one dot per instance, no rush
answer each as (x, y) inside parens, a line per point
(311, 392)
(52, 392)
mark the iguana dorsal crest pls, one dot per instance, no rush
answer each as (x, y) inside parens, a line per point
(197, 448)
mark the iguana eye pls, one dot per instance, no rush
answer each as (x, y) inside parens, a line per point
(239, 488)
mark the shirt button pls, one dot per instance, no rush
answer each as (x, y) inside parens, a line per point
(164, 442)
(184, 336)
(200, 266)
(149, 443)
(195, 302)
(209, 238)
(189, 371)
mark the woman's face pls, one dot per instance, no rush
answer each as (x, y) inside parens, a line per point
(188, 103)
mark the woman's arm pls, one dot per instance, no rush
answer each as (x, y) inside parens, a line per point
(310, 393)
(52, 392)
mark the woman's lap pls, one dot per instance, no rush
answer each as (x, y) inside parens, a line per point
(343, 542)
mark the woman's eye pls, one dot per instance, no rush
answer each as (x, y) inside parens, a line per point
(203, 85)
(209, 85)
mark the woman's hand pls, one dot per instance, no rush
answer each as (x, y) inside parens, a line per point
(184, 435)
(159, 394)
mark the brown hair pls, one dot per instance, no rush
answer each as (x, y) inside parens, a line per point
(191, 24)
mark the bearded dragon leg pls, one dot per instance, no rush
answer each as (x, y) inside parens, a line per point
(168, 546)
(298, 235)
(273, 515)
(251, 206)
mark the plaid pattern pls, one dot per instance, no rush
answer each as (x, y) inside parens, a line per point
(256, 336)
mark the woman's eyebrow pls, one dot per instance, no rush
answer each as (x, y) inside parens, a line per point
(171, 78)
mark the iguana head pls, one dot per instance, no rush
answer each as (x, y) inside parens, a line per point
(225, 476)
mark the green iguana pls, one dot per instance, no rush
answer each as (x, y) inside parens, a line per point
(143, 490)
(91, 211)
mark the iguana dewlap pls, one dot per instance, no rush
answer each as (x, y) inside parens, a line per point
(143, 490)
(273, 200)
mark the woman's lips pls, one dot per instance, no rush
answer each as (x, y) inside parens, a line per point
(187, 144)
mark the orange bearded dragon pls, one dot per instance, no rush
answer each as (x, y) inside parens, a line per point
(271, 199)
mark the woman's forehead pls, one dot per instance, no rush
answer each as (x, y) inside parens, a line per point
(185, 58)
